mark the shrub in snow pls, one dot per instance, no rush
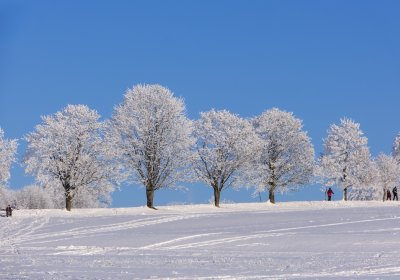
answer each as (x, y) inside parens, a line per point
(286, 159)
(67, 150)
(365, 192)
(151, 136)
(6, 197)
(33, 197)
(226, 145)
(223, 201)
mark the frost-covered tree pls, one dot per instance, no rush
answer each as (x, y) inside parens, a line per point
(6, 197)
(367, 188)
(396, 148)
(388, 174)
(33, 197)
(346, 159)
(8, 149)
(226, 146)
(151, 137)
(287, 155)
(67, 150)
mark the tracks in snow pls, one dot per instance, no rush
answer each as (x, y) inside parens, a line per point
(28, 233)
(168, 245)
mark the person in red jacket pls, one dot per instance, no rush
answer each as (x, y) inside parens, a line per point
(330, 193)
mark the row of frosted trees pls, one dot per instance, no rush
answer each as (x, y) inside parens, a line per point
(149, 140)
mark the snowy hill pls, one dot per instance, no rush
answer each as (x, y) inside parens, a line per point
(302, 240)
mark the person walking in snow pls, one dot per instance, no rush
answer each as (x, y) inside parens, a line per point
(8, 211)
(330, 193)
(395, 197)
(388, 195)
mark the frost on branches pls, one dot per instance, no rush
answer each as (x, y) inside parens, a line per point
(8, 149)
(287, 155)
(388, 174)
(368, 186)
(151, 136)
(396, 148)
(33, 197)
(67, 151)
(226, 147)
(346, 160)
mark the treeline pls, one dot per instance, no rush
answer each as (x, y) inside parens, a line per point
(78, 160)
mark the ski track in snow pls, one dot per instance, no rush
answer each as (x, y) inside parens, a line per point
(362, 243)
(93, 230)
(257, 236)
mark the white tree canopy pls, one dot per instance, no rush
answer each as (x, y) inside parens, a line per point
(151, 136)
(67, 150)
(8, 149)
(388, 174)
(367, 188)
(33, 197)
(226, 146)
(346, 160)
(287, 155)
(396, 148)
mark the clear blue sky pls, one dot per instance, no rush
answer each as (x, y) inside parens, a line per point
(322, 60)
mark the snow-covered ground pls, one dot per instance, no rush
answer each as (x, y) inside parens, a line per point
(301, 240)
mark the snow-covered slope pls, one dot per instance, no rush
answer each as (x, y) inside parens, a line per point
(302, 240)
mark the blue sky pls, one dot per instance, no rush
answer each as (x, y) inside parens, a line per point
(322, 60)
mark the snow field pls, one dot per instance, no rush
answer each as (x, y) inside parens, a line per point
(302, 240)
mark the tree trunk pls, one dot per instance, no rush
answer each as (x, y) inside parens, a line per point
(272, 196)
(384, 195)
(68, 202)
(345, 194)
(217, 195)
(150, 198)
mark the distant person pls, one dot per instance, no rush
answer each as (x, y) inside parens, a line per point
(330, 193)
(8, 211)
(395, 197)
(388, 195)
